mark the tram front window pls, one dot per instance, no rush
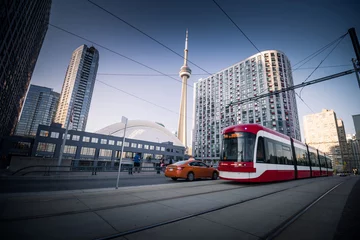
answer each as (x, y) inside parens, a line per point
(238, 147)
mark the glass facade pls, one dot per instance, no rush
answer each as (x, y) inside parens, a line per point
(78, 88)
(39, 108)
(23, 25)
(216, 106)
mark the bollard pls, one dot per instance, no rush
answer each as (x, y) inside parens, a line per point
(158, 168)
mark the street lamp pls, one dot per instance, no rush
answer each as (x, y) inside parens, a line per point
(123, 120)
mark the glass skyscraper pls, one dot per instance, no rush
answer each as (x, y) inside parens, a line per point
(39, 108)
(77, 90)
(23, 25)
(216, 106)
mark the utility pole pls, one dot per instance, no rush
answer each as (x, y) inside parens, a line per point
(125, 121)
(356, 62)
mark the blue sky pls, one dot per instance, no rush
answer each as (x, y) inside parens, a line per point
(297, 28)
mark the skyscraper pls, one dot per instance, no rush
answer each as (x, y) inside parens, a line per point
(185, 73)
(77, 90)
(39, 108)
(327, 133)
(216, 107)
(23, 25)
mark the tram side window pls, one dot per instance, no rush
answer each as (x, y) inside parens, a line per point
(287, 155)
(270, 153)
(322, 161)
(279, 153)
(313, 158)
(301, 157)
(260, 152)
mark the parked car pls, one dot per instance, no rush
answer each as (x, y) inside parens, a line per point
(190, 170)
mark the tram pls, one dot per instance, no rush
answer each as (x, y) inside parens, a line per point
(253, 153)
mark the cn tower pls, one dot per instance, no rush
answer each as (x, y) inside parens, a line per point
(184, 73)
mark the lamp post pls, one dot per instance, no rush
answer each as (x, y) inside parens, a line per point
(123, 120)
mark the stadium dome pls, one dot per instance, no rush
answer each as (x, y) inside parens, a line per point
(141, 130)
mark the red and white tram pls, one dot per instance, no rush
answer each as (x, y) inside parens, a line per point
(253, 153)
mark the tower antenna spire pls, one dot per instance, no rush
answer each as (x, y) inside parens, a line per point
(185, 73)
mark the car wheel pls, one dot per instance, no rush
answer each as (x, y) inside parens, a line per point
(190, 176)
(174, 178)
(215, 176)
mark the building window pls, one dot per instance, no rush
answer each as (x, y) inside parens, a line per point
(133, 145)
(126, 144)
(94, 140)
(75, 137)
(157, 148)
(105, 153)
(103, 141)
(87, 151)
(140, 145)
(111, 142)
(44, 133)
(163, 149)
(54, 135)
(46, 147)
(119, 143)
(69, 149)
(151, 147)
(86, 139)
(146, 146)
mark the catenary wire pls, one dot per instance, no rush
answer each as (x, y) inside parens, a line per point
(126, 58)
(117, 53)
(200, 74)
(322, 49)
(253, 44)
(142, 99)
(323, 61)
(313, 55)
(147, 35)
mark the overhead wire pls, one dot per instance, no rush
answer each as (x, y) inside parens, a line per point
(316, 53)
(147, 35)
(115, 52)
(135, 96)
(323, 60)
(311, 56)
(109, 85)
(227, 15)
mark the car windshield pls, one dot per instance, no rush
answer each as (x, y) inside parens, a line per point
(179, 163)
(238, 146)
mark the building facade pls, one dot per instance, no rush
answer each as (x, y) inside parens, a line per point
(216, 107)
(356, 120)
(39, 108)
(77, 90)
(99, 149)
(323, 132)
(23, 25)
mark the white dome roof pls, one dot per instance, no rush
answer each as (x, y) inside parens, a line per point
(141, 130)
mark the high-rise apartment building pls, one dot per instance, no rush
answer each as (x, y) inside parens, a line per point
(216, 106)
(78, 88)
(327, 133)
(39, 108)
(23, 25)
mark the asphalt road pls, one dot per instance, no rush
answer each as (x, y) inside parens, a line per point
(40, 185)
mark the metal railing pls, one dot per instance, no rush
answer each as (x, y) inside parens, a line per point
(47, 169)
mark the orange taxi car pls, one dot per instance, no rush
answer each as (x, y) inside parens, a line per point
(190, 170)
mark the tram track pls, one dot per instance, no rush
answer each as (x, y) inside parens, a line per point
(167, 222)
(285, 224)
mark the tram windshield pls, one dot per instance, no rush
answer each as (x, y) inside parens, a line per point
(238, 147)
